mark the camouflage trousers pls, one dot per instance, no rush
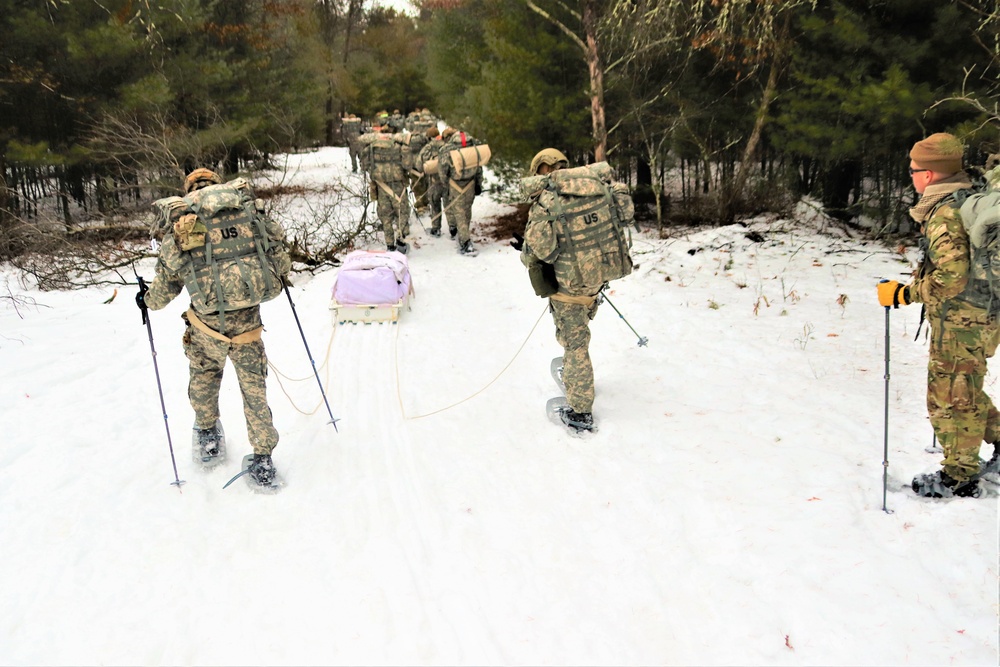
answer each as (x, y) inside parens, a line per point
(352, 148)
(460, 196)
(435, 195)
(573, 333)
(207, 357)
(393, 211)
(960, 410)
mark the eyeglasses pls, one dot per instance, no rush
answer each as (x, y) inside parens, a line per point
(916, 171)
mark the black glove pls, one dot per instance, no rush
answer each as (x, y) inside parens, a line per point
(140, 298)
(518, 242)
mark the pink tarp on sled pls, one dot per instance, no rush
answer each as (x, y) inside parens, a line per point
(371, 286)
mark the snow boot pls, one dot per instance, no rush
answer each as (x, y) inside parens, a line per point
(208, 445)
(208, 440)
(468, 249)
(453, 231)
(435, 232)
(578, 421)
(262, 470)
(402, 247)
(942, 485)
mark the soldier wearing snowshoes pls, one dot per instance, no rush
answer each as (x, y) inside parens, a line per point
(575, 241)
(963, 332)
(220, 247)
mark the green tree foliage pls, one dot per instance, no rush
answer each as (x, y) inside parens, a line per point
(510, 78)
(388, 70)
(860, 82)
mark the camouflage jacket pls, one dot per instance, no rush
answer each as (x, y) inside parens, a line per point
(944, 271)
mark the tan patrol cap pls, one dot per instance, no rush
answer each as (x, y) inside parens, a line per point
(941, 152)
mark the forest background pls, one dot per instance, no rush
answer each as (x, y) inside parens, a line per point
(711, 109)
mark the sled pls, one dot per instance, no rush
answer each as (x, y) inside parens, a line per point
(372, 287)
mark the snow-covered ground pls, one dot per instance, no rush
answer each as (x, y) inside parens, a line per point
(728, 512)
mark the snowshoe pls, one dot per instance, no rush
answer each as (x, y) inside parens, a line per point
(941, 485)
(989, 471)
(556, 368)
(560, 412)
(991, 467)
(260, 474)
(208, 446)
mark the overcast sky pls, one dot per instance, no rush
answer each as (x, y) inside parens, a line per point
(398, 5)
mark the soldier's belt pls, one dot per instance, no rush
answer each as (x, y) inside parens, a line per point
(240, 339)
(570, 298)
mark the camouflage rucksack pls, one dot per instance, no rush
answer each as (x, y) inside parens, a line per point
(463, 160)
(231, 255)
(584, 227)
(980, 211)
(351, 128)
(382, 157)
(412, 145)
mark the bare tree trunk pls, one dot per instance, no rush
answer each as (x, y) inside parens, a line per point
(742, 174)
(596, 70)
(595, 67)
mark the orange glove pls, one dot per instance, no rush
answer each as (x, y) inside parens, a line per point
(891, 293)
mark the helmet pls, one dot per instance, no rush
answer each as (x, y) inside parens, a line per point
(549, 156)
(432, 131)
(199, 178)
(448, 131)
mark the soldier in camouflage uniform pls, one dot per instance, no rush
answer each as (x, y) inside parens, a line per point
(351, 128)
(382, 158)
(460, 193)
(435, 190)
(963, 335)
(572, 309)
(209, 339)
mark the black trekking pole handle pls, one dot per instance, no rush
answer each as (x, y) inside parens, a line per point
(156, 369)
(333, 420)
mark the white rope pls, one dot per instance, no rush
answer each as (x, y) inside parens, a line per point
(399, 396)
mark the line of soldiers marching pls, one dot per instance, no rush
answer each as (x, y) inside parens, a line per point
(415, 156)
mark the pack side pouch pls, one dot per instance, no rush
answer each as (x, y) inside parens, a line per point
(189, 232)
(543, 279)
(165, 213)
(431, 167)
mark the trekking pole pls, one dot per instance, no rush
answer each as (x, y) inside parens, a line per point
(156, 369)
(642, 339)
(411, 200)
(333, 420)
(885, 452)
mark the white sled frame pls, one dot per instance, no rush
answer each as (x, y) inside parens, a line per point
(368, 313)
